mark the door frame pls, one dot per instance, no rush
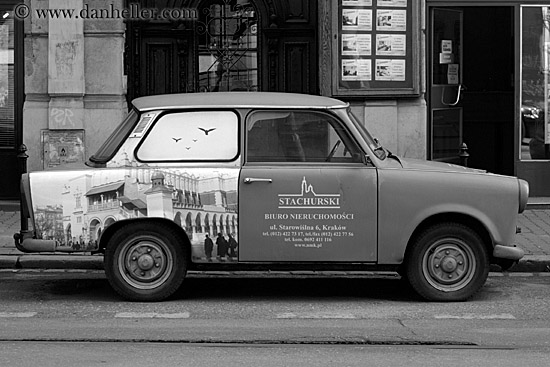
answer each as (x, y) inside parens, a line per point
(19, 98)
(431, 85)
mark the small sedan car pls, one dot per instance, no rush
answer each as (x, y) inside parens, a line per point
(258, 181)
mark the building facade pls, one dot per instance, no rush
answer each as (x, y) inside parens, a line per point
(424, 76)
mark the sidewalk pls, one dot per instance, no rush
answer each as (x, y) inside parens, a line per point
(534, 240)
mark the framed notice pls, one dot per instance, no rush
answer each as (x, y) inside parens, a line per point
(62, 146)
(377, 47)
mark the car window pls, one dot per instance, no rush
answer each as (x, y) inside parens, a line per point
(298, 136)
(192, 136)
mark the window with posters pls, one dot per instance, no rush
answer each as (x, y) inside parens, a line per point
(535, 82)
(375, 52)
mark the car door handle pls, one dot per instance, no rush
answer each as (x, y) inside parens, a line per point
(248, 180)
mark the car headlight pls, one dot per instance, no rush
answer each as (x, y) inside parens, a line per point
(523, 195)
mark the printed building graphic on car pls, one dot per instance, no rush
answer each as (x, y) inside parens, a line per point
(199, 201)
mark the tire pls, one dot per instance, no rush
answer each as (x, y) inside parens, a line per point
(447, 262)
(145, 262)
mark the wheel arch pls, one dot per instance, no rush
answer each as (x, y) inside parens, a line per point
(467, 220)
(111, 230)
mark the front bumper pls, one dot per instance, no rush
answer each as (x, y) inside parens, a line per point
(25, 242)
(508, 252)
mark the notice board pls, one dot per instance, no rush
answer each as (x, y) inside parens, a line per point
(375, 47)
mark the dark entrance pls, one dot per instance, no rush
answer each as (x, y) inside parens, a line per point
(11, 100)
(234, 45)
(484, 115)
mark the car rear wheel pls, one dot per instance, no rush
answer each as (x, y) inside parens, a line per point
(447, 262)
(145, 262)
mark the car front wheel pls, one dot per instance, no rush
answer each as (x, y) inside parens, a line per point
(145, 262)
(447, 262)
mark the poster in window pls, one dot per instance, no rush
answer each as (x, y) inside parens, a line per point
(447, 46)
(390, 70)
(356, 44)
(391, 44)
(391, 20)
(452, 74)
(356, 69)
(357, 19)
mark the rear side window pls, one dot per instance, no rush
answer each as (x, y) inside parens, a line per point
(192, 136)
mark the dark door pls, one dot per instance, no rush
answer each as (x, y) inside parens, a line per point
(10, 101)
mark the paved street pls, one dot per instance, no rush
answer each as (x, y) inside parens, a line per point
(74, 318)
(534, 239)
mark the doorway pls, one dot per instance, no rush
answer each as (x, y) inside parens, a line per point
(472, 92)
(233, 45)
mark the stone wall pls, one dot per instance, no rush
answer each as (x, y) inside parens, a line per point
(74, 78)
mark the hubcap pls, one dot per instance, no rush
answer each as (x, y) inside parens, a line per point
(145, 262)
(449, 264)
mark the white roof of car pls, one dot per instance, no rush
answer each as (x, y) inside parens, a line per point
(235, 100)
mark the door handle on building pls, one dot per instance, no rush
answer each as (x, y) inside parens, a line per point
(248, 180)
(460, 89)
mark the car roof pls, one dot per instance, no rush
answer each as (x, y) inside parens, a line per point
(235, 100)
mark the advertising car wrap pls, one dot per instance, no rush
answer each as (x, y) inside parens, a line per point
(74, 208)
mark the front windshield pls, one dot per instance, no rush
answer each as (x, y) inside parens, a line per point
(113, 142)
(373, 143)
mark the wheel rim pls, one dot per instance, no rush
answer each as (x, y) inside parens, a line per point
(449, 264)
(145, 262)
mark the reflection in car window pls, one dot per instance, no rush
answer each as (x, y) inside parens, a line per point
(196, 136)
(298, 136)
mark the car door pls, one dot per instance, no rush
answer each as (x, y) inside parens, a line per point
(306, 192)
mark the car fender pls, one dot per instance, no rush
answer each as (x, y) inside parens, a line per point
(409, 198)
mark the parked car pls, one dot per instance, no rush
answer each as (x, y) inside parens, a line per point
(257, 181)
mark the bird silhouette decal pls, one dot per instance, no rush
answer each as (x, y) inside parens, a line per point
(194, 140)
(187, 148)
(206, 131)
(176, 139)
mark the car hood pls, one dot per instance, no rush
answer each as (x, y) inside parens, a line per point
(417, 164)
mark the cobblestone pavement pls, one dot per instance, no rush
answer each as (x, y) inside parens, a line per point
(534, 238)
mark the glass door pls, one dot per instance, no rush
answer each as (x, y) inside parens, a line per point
(446, 84)
(533, 162)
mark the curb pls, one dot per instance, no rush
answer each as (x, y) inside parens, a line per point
(529, 264)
